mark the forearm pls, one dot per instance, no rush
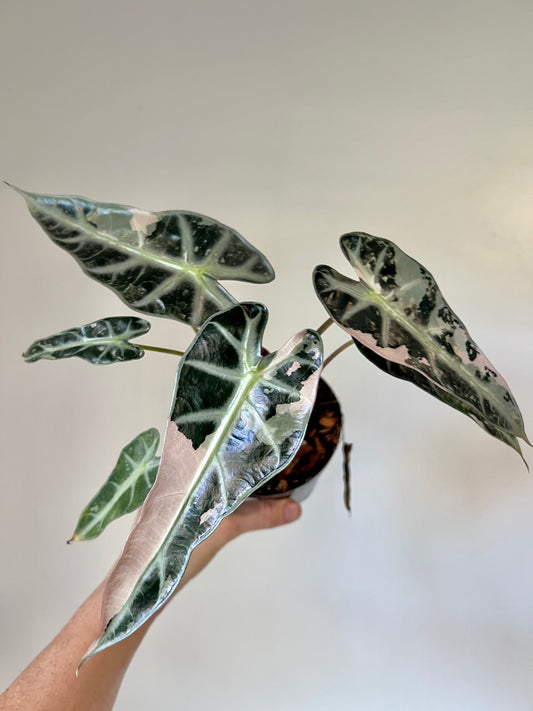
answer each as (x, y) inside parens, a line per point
(51, 682)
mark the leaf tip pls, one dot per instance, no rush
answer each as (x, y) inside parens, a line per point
(84, 659)
(520, 454)
(14, 187)
(94, 648)
(525, 462)
(346, 451)
(73, 539)
(99, 644)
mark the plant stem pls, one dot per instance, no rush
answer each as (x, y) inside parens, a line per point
(320, 330)
(335, 353)
(158, 350)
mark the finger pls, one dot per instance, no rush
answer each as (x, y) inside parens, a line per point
(257, 514)
(250, 516)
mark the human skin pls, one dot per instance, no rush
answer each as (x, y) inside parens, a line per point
(51, 682)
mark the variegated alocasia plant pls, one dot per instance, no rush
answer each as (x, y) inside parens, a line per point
(238, 416)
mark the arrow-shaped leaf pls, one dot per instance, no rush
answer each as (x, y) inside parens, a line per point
(236, 420)
(100, 342)
(125, 489)
(401, 321)
(163, 263)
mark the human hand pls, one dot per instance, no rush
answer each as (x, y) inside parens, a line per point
(253, 515)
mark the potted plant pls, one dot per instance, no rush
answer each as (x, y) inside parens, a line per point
(243, 421)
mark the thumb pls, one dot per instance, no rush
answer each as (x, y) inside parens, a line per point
(250, 516)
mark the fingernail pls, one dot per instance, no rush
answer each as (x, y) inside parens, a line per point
(291, 511)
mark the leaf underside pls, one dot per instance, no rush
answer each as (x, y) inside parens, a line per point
(400, 321)
(125, 489)
(236, 420)
(101, 342)
(162, 263)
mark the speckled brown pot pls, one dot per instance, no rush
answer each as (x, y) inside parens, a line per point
(318, 446)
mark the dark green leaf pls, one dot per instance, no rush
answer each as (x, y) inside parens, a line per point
(236, 420)
(163, 263)
(101, 342)
(125, 489)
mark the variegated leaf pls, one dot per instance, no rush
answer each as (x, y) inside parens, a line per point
(126, 488)
(237, 418)
(398, 313)
(101, 342)
(163, 263)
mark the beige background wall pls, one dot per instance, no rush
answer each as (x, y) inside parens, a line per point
(293, 122)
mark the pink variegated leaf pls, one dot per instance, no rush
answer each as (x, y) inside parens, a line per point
(237, 418)
(399, 319)
(162, 263)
